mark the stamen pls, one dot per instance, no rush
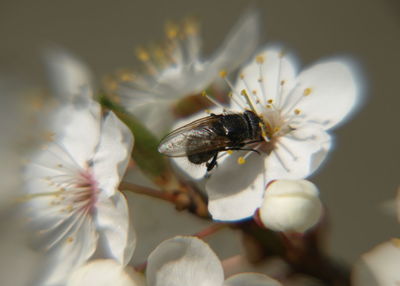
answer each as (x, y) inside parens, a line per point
(230, 95)
(284, 147)
(241, 160)
(248, 99)
(279, 80)
(216, 103)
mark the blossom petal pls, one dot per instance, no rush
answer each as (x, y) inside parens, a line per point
(69, 77)
(251, 279)
(234, 197)
(184, 261)
(113, 224)
(105, 272)
(331, 91)
(264, 75)
(380, 266)
(71, 252)
(239, 44)
(112, 154)
(299, 154)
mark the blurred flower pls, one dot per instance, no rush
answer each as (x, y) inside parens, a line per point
(296, 113)
(178, 70)
(71, 186)
(105, 272)
(190, 261)
(290, 206)
(379, 267)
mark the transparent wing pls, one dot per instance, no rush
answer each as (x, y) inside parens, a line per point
(193, 138)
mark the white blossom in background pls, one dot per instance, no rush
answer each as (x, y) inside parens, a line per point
(190, 261)
(179, 71)
(291, 206)
(71, 185)
(379, 267)
(105, 272)
(297, 110)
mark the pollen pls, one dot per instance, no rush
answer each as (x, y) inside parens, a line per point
(297, 111)
(241, 160)
(270, 101)
(260, 59)
(223, 73)
(307, 91)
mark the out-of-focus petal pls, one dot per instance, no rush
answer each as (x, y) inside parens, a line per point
(251, 279)
(332, 92)
(378, 267)
(184, 261)
(105, 272)
(113, 224)
(112, 154)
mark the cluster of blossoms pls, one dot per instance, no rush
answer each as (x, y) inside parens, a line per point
(73, 201)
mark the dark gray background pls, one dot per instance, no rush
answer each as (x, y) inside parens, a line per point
(363, 170)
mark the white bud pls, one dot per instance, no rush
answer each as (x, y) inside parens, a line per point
(291, 206)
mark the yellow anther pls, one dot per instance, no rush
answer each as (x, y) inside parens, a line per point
(230, 152)
(260, 59)
(243, 92)
(171, 30)
(110, 83)
(70, 239)
(395, 242)
(241, 76)
(191, 26)
(241, 160)
(254, 92)
(69, 208)
(283, 82)
(276, 129)
(142, 54)
(270, 101)
(208, 111)
(307, 91)
(230, 94)
(49, 136)
(223, 73)
(268, 106)
(125, 75)
(204, 93)
(297, 111)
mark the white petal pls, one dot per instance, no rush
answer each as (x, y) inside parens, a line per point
(113, 224)
(239, 44)
(379, 267)
(298, 154)
(251, 279)
(235, 191)
(112, 154)
(184, 261)
(265, 78)
(69, 76)
(291, 206)
(70, 253)
(105, 273)
(334, 92)
(77, 128)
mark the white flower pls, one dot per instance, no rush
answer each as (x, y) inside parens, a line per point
(290, 206)
(296, 112)
(189, 261)
(71, 186)
(105, 272)
(379, 267)
(179, 71)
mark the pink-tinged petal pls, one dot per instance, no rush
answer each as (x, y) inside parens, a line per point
(105, 272)
(235, 190)
(112, 221)
(71, 252)
(298, 154)
(251, 279)
(328, 92)
(184, 261)
(240, 43)
(69, 77)
(269, 76)
(380, 266)
(112, 154)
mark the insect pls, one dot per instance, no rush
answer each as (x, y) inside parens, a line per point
(202, 139)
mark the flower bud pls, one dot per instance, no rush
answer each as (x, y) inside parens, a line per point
(290, 206)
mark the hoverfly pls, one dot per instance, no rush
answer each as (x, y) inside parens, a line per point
(201, 140)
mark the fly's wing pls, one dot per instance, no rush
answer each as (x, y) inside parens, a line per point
(193, 138)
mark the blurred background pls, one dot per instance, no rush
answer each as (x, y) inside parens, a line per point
(362, 173)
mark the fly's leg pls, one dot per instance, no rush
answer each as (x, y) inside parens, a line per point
(210, 165)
